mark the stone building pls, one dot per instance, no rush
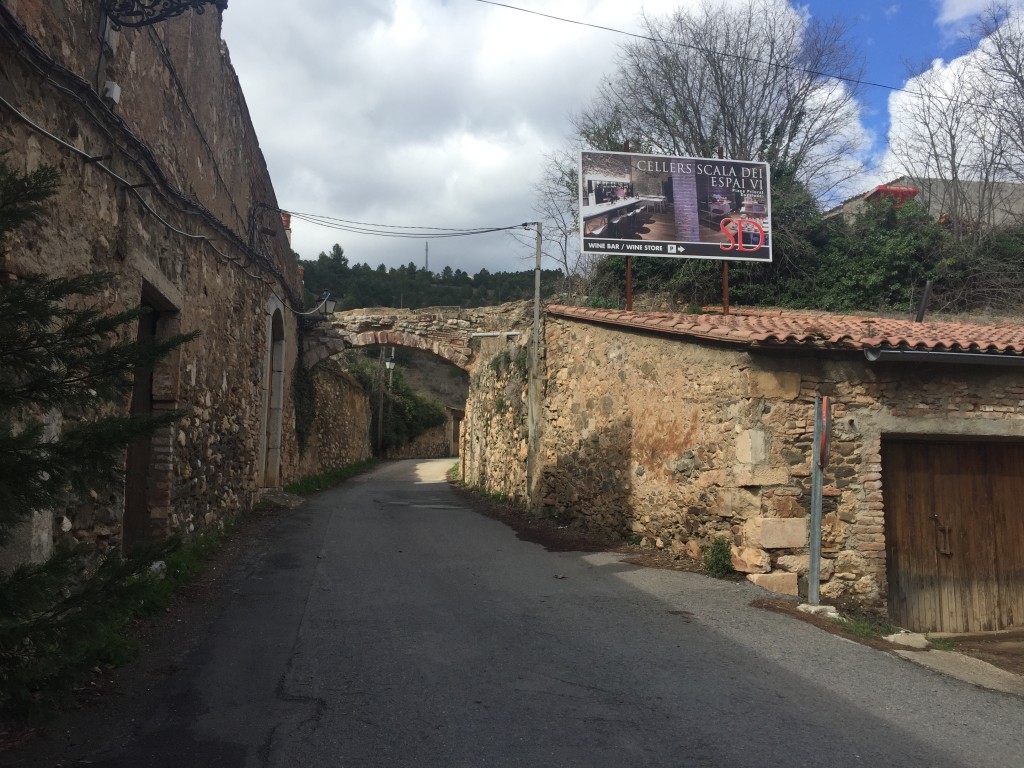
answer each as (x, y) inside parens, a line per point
(676, 429)
(971, 203)
(163, 184)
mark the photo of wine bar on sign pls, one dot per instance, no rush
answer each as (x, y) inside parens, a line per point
(678, 207)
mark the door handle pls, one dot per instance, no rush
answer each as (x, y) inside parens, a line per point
(943, 537)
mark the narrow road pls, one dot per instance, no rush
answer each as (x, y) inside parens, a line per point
(384, 623)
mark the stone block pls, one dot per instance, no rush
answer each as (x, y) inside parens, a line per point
(782, 583)
(774, 384)
(745, 477)
(738, 502)
(752, 446)
(750, 533)
(783, 533)
(909, 640)
(785, 506)
(800, 564)
(750, 560)
(693, 550)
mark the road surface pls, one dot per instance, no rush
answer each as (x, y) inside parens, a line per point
(385, 623)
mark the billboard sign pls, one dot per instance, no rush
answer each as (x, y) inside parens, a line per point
(674, 207)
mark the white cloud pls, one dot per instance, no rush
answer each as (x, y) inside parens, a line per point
(419, 112)
(952, 11)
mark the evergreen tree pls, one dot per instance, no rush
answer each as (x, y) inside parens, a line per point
(66, 370)
(66, 364)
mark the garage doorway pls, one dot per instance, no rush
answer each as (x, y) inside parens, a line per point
(954, 526)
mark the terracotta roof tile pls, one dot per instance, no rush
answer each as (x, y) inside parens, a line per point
(753, 327)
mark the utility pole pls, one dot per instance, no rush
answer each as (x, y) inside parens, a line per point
(533, 392)
(380, 406)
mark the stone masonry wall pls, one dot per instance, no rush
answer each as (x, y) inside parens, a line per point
(432, 444)
(181, 127)
(494, 434)
(341, 430)
(678, 442)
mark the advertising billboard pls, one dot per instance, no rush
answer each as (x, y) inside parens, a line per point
(674, 207)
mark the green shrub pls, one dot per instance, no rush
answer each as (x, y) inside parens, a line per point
(501, 362)
(718, 557)
(867, 626)
(600, 302)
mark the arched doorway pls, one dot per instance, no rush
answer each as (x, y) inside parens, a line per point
(148, 460)
(273, 401)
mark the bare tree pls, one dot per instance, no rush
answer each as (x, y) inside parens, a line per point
(1000, 63)
(947, 145)
(958, 131)
(761, 81)
(557, 206)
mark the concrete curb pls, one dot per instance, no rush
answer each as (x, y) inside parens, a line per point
(968, 669)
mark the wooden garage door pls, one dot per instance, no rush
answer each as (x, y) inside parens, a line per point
(954, 515)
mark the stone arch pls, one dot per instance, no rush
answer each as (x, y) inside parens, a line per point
(272, 410)
(458, 356)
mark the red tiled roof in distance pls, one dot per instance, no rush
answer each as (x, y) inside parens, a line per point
(792, 328)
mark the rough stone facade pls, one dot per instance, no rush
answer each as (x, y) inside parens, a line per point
(435, 443)
(166, 188)
(494, 439)
(677, 441)
(341, 432)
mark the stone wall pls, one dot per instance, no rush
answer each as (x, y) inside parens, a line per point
(341, 433)
(199, 240)
(435, 443)
(678, 442)
(493, 441)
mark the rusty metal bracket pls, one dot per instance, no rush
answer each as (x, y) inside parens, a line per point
(142, 13)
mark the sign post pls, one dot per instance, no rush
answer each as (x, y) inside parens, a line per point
(819, 458)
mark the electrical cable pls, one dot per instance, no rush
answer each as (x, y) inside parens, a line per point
(395, 230)
(728, 55)
(129, 186)
(138, 153)
(165, 55)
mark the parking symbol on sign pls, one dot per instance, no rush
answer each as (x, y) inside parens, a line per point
(671, 248)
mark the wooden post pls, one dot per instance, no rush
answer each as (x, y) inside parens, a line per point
(725, 287)
(629, 284)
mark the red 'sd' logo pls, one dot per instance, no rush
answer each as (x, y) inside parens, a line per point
(736, 238)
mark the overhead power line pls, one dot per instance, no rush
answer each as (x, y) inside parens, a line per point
(722, 54)
(395, 230)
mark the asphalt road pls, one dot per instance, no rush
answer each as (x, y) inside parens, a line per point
(384, 623)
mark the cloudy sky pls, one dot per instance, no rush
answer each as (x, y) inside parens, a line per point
(439, 112)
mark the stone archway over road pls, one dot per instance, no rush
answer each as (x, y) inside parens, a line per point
(443, 331)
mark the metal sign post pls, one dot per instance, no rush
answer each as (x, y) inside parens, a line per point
(819, 458)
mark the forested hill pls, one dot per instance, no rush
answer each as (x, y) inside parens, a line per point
(360, 285)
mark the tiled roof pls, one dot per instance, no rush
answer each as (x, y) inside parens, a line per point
(786, 328)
